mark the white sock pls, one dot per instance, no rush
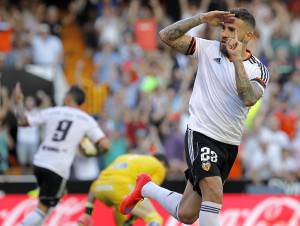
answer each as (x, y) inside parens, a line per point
(35, 218)
(169, 200)
(210, 214)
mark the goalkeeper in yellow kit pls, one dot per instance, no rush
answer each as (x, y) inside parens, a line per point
(118, 180)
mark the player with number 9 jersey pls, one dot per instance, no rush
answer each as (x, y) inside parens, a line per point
(65, 127)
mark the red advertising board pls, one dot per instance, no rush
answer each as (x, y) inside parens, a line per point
(238, 210)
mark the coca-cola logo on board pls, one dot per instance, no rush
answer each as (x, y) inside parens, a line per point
(238, 210)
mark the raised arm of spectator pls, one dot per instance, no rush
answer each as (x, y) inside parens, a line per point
(183, 6)
(133, 11)
(205, 5)
(4, 99)
(20, 110)
(157, 9)
(153, 132)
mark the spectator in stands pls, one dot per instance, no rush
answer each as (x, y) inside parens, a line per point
(109, 27)
(20, 55)
(288, 166)
(43, 99)
(265, 151)
(53, 21)
(130, 51)
(28, 137)
(106, 63)
(5, 143)
(283, 63)
(6, 31)
(147, 142)
(145, 19)
(118, 146)
(173, 143)
(46, 48)
(191, 8)
(149, 85)
(264, 157)
(291, 89)
(266, 25)
(9, 125)
(286, 117)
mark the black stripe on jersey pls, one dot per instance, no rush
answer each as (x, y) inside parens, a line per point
(262, 72)
(261, 82)
(263, 69)
(267, 74)
(192, 47)
(252, 60)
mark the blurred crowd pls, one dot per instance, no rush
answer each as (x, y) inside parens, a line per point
(149, 84)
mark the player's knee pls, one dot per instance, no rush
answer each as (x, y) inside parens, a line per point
(187, 217)
(212, 194)
(211, 189)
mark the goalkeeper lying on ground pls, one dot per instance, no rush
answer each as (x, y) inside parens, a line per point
(118, 180)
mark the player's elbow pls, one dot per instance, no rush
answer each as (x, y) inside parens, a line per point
(103, 145)
(163, 36)
(249, 103)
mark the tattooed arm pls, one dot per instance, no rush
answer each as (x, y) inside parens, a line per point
(174, 34)
(248, 91)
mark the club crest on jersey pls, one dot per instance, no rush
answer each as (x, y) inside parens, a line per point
(218, 60)
(206, 166)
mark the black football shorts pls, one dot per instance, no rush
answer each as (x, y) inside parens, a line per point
(207, 157)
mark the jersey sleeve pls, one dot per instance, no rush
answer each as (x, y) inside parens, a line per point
(94, 132)
(260, 74)
(198, 46)
(38, 118)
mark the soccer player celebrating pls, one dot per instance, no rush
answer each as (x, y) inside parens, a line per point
(65, 127)
(229, 80)
(118, 180)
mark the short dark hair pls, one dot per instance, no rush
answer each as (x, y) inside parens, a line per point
(161, 157)
(244, 15)
(78, 94)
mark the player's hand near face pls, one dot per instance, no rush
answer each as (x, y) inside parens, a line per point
(216, 18)
(234, 48)
(175, 35)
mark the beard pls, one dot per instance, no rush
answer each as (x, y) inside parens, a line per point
(223, 49)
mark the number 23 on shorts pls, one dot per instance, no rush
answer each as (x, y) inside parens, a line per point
(207, 156)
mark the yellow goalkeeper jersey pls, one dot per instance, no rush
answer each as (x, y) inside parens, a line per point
(131, 165)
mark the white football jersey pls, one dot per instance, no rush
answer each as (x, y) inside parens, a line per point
(64, 129)
(215, 107)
